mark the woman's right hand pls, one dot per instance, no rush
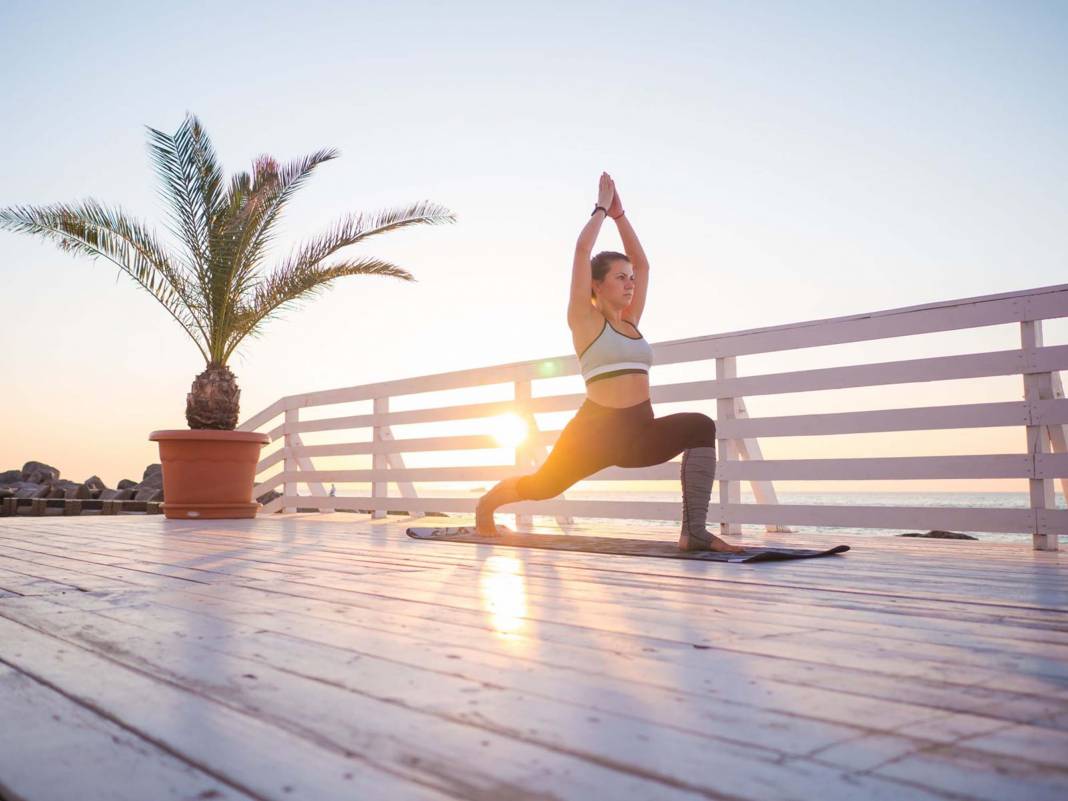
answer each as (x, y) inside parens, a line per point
(606, 191)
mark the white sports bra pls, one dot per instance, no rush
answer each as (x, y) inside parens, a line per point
(614, 353)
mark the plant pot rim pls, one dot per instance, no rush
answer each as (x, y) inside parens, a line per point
(210, 434)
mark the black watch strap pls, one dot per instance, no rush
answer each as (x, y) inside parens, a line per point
(602, 208)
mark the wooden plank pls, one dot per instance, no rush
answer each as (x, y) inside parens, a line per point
(926, 418)
(439, 746)
(289, 490)
(313, 647)
(893, 467)
(257, 420)
(940, 368)
(351, 561)
(220, 738)
(1038, 387)
(60, 749)
(1041, 303)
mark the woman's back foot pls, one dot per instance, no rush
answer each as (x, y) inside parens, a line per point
(711, 543)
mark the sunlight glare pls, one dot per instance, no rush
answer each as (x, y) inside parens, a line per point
(504, 593)
(509, 430)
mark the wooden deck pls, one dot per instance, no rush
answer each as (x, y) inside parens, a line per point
(330, 657)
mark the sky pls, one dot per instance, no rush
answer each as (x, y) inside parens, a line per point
(780, 161)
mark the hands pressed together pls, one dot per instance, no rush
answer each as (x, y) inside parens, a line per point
(608, 196)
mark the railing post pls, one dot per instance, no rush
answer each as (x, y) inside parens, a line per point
(524, 450)
(1038, 387)
(730, 492)
(379, 461)
(290, 464)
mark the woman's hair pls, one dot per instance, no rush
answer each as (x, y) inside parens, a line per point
(600, 263)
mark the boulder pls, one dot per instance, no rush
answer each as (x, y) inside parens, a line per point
(10, 476)
(126, 483)
(940, 535)
(148, 494)
(39, 472)
(153, 477)
(79, 492)
(6, 493)
(116, 494)
(30, 490)
(95, 483)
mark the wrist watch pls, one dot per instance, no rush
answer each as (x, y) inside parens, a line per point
(602, 208)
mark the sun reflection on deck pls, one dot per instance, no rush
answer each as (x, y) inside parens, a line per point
(503, 591)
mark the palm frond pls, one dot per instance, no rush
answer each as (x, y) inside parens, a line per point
(355, 228)
(192, 186)
(253, 207)
(272, 188)
(91, 229)
(300, 281)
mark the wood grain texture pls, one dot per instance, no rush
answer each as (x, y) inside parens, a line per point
(330, 656)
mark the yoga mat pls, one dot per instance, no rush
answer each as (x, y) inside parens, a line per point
(616, 545)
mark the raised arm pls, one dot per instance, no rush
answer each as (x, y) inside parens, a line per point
(633, 248)
(581, 278)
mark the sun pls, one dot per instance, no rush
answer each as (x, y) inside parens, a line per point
(509, 430)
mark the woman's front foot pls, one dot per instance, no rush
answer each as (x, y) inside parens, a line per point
(484, 524)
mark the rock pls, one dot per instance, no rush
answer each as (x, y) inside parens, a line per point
(10, 476)
(941, 535)
(269, 496)
(126, 483)
(95, 483)
(6, 493)
(39, 472)
(152, 482)
(148, 494)
(79, 492)
(117, 494)
(30, 490)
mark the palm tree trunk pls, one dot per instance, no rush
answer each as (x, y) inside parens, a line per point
(214, 399)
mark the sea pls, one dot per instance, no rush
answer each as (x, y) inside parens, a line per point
(977, 500)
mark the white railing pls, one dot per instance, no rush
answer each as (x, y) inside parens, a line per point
(1041, 415)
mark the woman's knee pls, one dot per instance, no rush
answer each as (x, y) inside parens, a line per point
(703, 431)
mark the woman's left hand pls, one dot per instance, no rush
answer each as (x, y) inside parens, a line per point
(616, 208)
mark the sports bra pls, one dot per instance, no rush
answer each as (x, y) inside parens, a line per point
(614, 353)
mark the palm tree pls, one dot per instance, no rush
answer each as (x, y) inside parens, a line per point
(214, 287)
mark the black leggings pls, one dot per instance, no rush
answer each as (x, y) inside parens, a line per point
(601, 436)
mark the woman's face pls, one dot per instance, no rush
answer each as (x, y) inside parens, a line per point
(617, 287)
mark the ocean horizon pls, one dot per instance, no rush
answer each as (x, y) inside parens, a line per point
(978, 500)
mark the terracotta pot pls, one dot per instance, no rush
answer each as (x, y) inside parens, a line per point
(208, 473)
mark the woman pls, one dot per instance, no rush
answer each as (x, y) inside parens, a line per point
(615, 424)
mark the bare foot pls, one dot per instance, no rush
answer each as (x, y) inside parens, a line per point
(714, 543)
(484, 524)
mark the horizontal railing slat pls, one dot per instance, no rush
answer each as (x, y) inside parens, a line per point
(267, 485)
(1040, 303)
(1036, 304)
(941, 368)
(257, 420)
(861, 469)
(1012, 413)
